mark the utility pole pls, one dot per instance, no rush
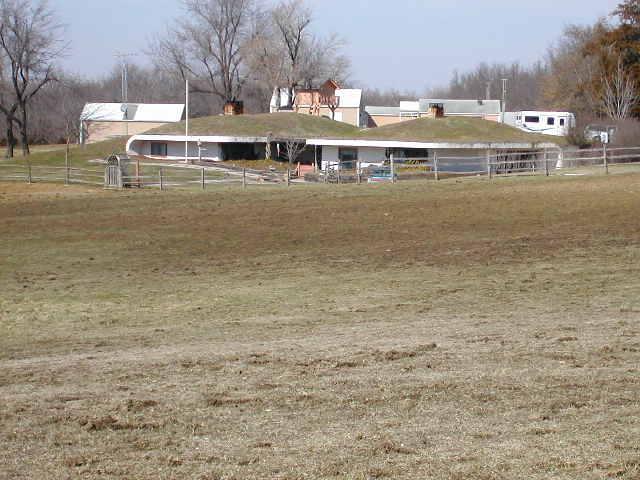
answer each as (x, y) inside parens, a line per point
(504, 97)
(123, 57)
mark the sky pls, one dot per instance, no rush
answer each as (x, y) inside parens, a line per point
(402, 44)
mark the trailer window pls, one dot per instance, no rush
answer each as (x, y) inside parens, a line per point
(562, 122)
(159, 149)
(551, 121)
(532, 119)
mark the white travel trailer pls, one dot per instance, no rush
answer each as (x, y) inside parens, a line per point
(558, 124)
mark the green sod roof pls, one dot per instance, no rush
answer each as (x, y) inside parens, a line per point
(279, 125)
(455, 130)
(294, 125)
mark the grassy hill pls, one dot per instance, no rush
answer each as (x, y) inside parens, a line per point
(78, 154)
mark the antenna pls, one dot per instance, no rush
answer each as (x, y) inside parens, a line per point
(123, 57)
(504, 95)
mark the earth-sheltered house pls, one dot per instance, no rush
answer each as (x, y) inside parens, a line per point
(328, 142)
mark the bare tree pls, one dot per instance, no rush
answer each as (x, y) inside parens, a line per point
(265, 57)
(619, 93)
(293, 149)
(207, 46)
(30, 43)
(292, 19)
(286, 53)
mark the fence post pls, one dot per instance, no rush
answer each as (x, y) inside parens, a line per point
(546, 163)
(244, 178)
(29, 179)
(489, 166)
(161, 179)
(339, 171)
(358, 173)
(66, 165)
(604, 157)
(288, 177)
(203, 179)
(435, 165)
(393, 168)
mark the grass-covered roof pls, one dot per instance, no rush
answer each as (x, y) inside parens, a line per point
(278, 125)
(295, 125)
(455, 130)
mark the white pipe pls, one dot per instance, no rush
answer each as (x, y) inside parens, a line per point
(186, 127)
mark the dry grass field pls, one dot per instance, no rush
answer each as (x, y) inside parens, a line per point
(461, 330)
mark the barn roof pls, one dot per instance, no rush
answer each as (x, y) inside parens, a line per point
(463, 107)
(133, 112)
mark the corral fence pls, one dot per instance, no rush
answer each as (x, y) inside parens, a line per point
(151, 176)
(52, 174)
(493, 164)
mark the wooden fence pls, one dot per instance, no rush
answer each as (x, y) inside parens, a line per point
(541, 162)
(504, 163)
(158, 177)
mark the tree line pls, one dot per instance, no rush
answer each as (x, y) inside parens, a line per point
(592, 71)
(230, 50)
(240, 50)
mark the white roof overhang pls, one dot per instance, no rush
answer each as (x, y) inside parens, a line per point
(403, 144)
(343, 142)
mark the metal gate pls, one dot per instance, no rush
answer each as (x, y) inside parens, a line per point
(113, 176)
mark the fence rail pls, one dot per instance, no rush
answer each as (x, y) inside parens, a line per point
(159, 177)
(503, 163)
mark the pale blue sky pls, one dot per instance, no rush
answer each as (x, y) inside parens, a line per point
(404, 44)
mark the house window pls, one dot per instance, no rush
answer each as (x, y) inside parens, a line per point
(551, 121)
(158, 149)
(532, 119)
(348, 157)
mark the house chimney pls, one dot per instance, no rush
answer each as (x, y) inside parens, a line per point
(436, 110)
(233, 108)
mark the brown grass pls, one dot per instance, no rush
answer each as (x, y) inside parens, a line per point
(465, 329)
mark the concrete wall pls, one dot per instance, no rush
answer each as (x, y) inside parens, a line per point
(175, 150)
(100, 131)
(349, 115)
(382, 120)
